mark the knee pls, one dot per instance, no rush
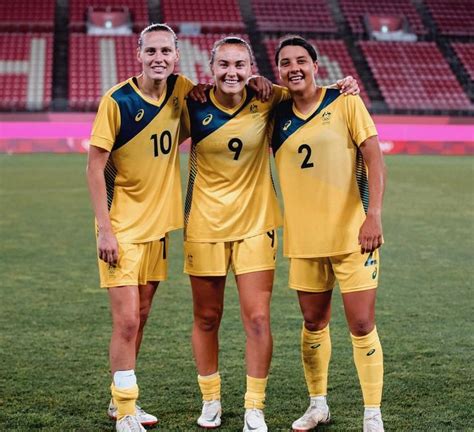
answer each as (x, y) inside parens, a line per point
(258, 325)
(144, 312)
(361, 326)
(208, 321)
(316, 321)
(127, 327)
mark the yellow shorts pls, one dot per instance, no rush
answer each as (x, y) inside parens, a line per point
(138, 264)
(245, 256)
(353, 271)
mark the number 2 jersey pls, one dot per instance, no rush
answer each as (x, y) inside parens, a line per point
(142, 174)
(230, 192)
(322, 174)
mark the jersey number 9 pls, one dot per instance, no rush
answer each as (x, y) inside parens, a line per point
(235, 146)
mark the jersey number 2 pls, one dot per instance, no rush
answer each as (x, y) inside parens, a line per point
(162, 145)
(306, 163)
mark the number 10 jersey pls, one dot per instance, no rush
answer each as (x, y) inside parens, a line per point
(230, 192)
(142, 174)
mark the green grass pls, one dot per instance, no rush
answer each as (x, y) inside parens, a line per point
(55, 322)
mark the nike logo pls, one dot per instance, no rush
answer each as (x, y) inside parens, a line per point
(371, 352)
(315, 346)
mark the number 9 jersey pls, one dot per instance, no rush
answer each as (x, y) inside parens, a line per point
(142, 174)
(322, 174)
(230, 192)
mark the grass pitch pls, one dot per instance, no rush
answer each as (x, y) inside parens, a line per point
(55, 323)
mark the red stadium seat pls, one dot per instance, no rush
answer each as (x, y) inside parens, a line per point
(31, 15)
(354, 12)
(293, 16)
(452, 17)
(465, 52)
(26, 62)
(414, 76)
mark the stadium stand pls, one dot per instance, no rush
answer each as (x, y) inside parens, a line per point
(32, 15)
(452, 17)
(97, 63)
(414, 76)
(26, 62)
(334, 62)
(209, 15)
(465, 53)
(293, 16)
(354, 12)
(78, 12)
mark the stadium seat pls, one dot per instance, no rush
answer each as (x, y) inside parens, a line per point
(78, 12)
(26, 62)
(354, 12)
(293, 16)
(334, 62)
(465, 53)
(452, 17)
(29, 16)
(210, 15)
(414, 76)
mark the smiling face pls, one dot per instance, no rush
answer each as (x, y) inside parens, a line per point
(158, 55)
(231, 68)
(297, 68)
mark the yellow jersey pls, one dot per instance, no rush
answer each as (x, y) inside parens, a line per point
(322, 174)
(142, 174)
(230, 193)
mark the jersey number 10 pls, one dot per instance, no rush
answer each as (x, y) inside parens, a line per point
(162, 145)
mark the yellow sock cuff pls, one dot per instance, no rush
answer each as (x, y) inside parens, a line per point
(314, 336)
(125, 400)
(210, 386)
(366, 340)
(255, 395)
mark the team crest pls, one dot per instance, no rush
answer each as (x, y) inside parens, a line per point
(254, 108)
(207, 119)
(175, 103)
(326, 116)
(140, 114)
(287, 125)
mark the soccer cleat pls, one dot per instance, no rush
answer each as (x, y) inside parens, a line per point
(317, 413)
(129, 424)
(210, 417)
(143, 417)
(254, 421)
(373, 421)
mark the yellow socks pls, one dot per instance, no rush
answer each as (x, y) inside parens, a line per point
(316, 353)
(210, 386)
(255, 395)
(124, 392)
(124, 400)
(368, 358)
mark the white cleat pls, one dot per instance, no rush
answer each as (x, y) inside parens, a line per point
(129, 424)
(317, 413)
(143, 417)
(210, 417)
(254, 421)
(373, 421)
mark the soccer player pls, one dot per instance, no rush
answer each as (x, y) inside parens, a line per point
(134, 182)
(332, 179)
(231, 216)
